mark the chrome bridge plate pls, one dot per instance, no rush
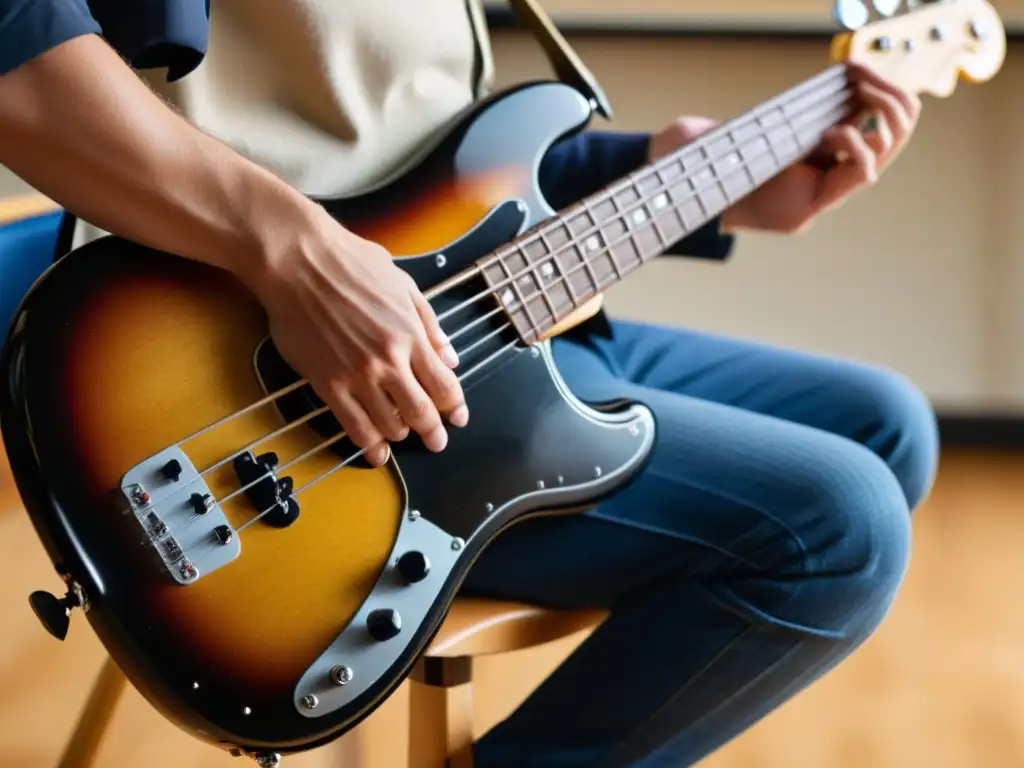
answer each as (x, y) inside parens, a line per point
(179, 517)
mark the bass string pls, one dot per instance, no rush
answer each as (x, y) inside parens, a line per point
(483, 295)
(824, 82)
(621, 215)
(325, 444)
(345, 462)
(352, 458)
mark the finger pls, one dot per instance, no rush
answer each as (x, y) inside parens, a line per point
(880, 139)
(857, 166)
(910, 102)
(438, 338)
(889, 111)
(358, 425)
(416, 408)
(382, 411)
(442, 385)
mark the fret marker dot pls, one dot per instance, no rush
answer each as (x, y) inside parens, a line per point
(592, 243)
(661, 200)
(639, 216)
(507, 297)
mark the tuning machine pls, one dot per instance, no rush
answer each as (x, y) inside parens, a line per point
(854, 14)
(55, 614)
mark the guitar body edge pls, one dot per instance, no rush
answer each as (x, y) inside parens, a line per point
(119, 351)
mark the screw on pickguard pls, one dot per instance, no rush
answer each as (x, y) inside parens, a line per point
(269, 493)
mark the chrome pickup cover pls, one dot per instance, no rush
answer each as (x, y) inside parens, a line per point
(187, 543)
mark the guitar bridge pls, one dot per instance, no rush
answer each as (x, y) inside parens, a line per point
(180, 519)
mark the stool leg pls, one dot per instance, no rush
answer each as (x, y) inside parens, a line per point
(441, 713)
(80, 750)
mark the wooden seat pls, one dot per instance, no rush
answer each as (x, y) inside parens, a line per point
(441, 695)
(477, 627)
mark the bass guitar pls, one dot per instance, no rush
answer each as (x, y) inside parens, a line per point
(263, 588)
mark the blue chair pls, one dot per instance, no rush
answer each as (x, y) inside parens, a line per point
(26, 249)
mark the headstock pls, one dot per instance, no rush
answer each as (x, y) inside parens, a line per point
(926, 47)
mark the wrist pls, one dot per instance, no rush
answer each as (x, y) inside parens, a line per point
(281, 225)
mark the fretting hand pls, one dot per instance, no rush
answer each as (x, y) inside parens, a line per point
(793, 199)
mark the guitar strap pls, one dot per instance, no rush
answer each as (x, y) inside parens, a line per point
(566, 63)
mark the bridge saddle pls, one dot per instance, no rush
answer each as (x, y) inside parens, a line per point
(179, 517)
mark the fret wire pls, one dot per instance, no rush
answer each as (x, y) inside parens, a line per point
(676, 205)
(584, 255)
(644, 205)
(768, 142)
(551, 259)
(662, 239)
(540, 281)
(556, 257)
(625, 223)
(532, 273)
(589, 269)
(519, 295)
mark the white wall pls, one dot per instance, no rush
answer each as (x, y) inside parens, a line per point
(11, 184)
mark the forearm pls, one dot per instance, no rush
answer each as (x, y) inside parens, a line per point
(81, 127)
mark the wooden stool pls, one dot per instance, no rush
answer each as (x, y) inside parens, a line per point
(441, 692)
(441, 702)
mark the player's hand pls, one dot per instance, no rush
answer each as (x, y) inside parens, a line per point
(354, 324)
(858, 150)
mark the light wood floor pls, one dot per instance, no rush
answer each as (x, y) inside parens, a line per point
(941, 685)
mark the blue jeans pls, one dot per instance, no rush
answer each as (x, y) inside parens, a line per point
(763, 543)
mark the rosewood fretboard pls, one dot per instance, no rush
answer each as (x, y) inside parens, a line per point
(548, 272)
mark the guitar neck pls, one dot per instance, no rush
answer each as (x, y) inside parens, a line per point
(547, 273)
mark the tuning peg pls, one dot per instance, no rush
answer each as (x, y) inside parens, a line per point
(54, 614)
(851, 14)
(886, 8)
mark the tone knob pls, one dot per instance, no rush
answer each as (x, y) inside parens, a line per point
(383, 624)
(414, 566)
(171, 470)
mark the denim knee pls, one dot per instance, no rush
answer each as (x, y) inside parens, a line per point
(898, 423)
(848, 547)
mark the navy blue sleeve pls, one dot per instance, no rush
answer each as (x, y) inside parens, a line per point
(156, 33)
(29, 28)
(582, 164)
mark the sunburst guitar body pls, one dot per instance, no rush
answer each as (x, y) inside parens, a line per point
(122, 374)
(262, 587)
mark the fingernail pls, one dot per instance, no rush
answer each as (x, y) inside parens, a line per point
(436, 440)
(450, 358)
(378, 455)
(402, 434)
(459, 417)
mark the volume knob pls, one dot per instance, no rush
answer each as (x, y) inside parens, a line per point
(384, 624)
(414, 566)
